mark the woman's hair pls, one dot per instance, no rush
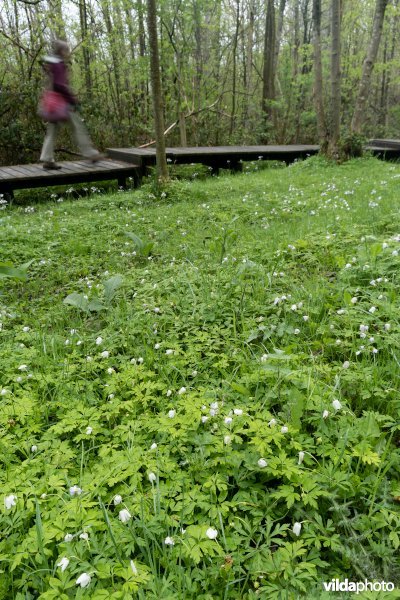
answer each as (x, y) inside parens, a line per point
(58, 46)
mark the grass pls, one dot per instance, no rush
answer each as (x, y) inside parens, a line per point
(209, 327)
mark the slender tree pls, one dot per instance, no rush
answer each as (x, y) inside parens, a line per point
(268, 92)
(162, 169)
(334, 130)
(369, 62)
(318, 79)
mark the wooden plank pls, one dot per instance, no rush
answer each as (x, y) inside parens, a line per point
(11, 173)
(385, 143)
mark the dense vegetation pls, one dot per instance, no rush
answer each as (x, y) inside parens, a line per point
(199, 388)
(233, 71)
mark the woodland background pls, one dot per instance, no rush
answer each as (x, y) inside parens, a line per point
(233, 71)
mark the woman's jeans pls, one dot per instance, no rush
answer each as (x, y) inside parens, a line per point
(79, 132)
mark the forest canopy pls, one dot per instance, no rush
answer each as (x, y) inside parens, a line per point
(233, 71)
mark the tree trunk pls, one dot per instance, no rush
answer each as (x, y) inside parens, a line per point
(86, 55)
(334, 133)
(234, 50)
(318, 80)
(279, 28)
(268, 93)
(248, 82)
(162, 170)
(369, 62)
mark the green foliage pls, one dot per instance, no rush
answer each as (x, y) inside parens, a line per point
(7, 270)
(95, 304)
(192, 394)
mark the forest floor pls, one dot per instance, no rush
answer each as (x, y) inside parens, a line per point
(200, 388)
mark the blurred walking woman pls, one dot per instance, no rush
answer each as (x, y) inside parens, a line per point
(59, 104)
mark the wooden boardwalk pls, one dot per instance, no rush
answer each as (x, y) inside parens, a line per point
(81, 171)
(135, 162)
(216, 157)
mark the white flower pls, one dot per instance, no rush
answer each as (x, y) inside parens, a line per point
(325, 414)
(105, 354)
(228, 420)
(10, 501)
(22, 367)
(341, 311)
(117, 500)
(68, 538)
(363, 328)
(211, 533)
(214, 405)
(75, 490)
(43, 496)
(264, 358)
(387, 326)
(169, 351)
(301, 457)
(169, 541)
(194, 373)
(354, 300)
(169, 393)
(33, 448)
(227, 440)
(171, 413)
(3, 391)
(99, 341)
(133, 567)
(84, 536)
(346, 364)
(182, 390)
(73, 331)
(375, 350)
(152, 477)
(140, 360)
(153, 446)
(272, 423)
(305, 317)
(296, 331)
(89, 430)
(372, 309)
(83, 580)
(124, 515)
(89, 358)
(204, 419)
(238, 412)
(284, 429)
(26, 329)
(156, 309)
(110, 370)
(336, 405)
(262, 463)
(156, 347)
(63, 564)
(294, 307)
(296, 528)
(67, 342)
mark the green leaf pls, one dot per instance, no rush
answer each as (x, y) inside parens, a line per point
(8, 270)
(95, 305)
(110, 287)
(78, 301)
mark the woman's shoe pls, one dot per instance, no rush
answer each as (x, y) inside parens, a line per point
(96, 158)
(51, 166)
